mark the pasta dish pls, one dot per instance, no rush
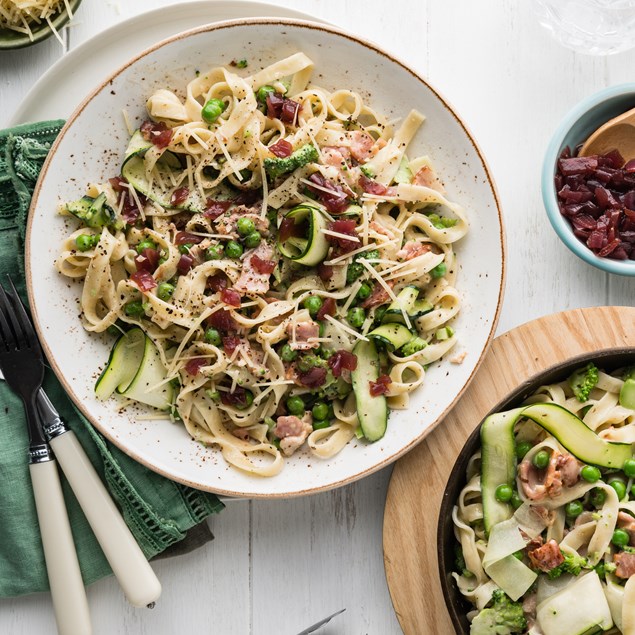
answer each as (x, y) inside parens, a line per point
(278, 270)
(545, 525)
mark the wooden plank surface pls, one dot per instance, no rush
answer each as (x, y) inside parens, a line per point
(418, 480)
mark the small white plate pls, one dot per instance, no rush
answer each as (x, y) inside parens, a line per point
(58, 92)
(90, 148)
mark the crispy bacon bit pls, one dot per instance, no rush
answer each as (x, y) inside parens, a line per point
(238, 398)
(413, 249)
(129, 207)
(328, 308)
(334, 199)
(379, 387)
(185, 238)
(625, 564)
(288, 426)
(144, 280)
(179, 196)
(254, 280)
(346, 227)
(147, 260)
(185, 264)
(325, 271)
(282, 148)
(263, 266)
(336, 156)
(231, 297)
(288, 228)
(194, 365)
(274, 105)
(547, 557)
(158, 133)
(231, 343)
(217, 282)
(222, 320)
(378, 296)
(342, 360)
(118, 183)
(426, 177)
(361, 145)
(304, 331)
(214, 209)
(290, 110)
(370, 186)
(578, 165)
(313, 378)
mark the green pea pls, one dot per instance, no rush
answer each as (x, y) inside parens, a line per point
(253, 240)
(356, 317)
(295, 405)
(516, 500)
(620, 538)
(145, 244)
(629, 468)
(364, 291)
(322, 327)
(233, 249)
(590, 474)
(185, 248)
(619, 487)
(439, 271)
(262, 93)
(331, 413)
(249, 399)
(85, 242)
(519, 555)
(313, 304)
(212, 336)
(245, 226)
(598, 497)
(165, 291)
(320, 410)
(287, 354)
(573, 509)
(213, 109)
(522, 448)
(214, 252)
(504, 493)
(306, 363)
(318, 424)
(134, 309)
(214, 395)
(541, 459)
(380, 311)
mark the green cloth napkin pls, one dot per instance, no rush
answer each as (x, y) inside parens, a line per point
(158, 511)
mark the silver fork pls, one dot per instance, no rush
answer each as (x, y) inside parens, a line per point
(21, 363)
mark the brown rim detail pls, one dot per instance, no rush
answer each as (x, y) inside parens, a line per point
(217, 27)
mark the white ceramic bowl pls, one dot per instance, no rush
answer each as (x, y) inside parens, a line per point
(89, 149)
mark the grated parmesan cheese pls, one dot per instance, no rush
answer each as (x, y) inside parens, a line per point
(359, 336)
(23, 15)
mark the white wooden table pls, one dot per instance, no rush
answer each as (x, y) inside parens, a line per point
(276, 567)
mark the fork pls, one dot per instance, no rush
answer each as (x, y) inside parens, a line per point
(21, 363)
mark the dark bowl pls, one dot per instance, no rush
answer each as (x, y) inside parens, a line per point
(607, 359)
(13, 40)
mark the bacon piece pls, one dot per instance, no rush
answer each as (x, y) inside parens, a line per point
(627, 523)
(214, 209)
(185, 238)
(254, 279)
(328, 307)
(313, 378)
(194, 365)
(290, 110)
(217, 282)
(144, 280)
(361, 145)
(379, 387)
(230, 297)
(325, 271)
(568, 468)
(282, 148)
(304, 331)
(179, 196)
(184, 264)
(625, 564)
(563, 470)
(334, 198)
(342, 360)
(147, 260)
(370, 186)
(378, 296)
(156, 132)
(337, 156)
(274, 105)
(346, 227)
(426, 177)
(413, 249)
(118, 183)
(547, 557)
(230, 344)
(237, 398)
(263, 266)
(292, 432)
(222, 320)
(287, 229)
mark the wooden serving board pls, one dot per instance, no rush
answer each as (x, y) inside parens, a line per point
(419, 479)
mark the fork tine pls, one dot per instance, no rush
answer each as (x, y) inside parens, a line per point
(9, 313)
(6, 335)
(22, 316)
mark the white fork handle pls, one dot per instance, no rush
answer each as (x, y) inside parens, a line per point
(65, 578)
(132, 570)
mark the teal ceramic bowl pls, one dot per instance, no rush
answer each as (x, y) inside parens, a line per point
(13, 40)
(576, 127)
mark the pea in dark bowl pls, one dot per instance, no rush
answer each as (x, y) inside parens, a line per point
(457, 605)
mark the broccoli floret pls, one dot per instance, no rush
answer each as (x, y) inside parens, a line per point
(602, 568)
(277, 167)
(583, 381)
(459, 561)
(503, 618)
(442, 222)
(93, 211)
(415, 345)
(572, 564)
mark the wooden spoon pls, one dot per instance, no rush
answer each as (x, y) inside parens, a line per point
(616, 134)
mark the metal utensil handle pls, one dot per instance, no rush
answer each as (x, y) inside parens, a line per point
(132, 570)
(65, 578)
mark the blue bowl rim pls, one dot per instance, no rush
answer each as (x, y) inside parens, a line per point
(558, 222)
